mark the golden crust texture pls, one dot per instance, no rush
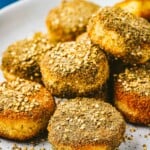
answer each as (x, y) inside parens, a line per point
(83, 37)
(121, 34)
(69, 19)
(25, 109)
(116, 65)
(140, 8)
(22, 57)
(74, 69)
(84, 123)
(132, 95)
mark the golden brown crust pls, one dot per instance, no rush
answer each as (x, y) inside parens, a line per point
(74, 69)
(22, 57)
(83, 37)
(140, 8)
(81, 122)
(69, 19)
(122, 34)
(115, 65)
(146, 9)
(25, 109)
(132, 6)
(132, 95)
(89, 147)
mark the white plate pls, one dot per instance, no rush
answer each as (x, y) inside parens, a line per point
(21, 20)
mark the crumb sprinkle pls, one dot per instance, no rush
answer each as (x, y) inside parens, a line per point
(22, 57)
(136, 79)
(70, 57)
(15, 95)
(80, 119)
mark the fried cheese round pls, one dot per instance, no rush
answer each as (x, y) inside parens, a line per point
(69, 19)
(73, 69)
(132, 94)
(22, 57)
(25, 109)
(121, 34)
(84, 123)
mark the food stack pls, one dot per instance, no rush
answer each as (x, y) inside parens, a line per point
(96, 60)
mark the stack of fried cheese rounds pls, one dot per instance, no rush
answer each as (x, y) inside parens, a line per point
(22, 57)
(121, 34)
(73, 69)
(132, 94)
(66, 21)
(83, 123)
(129, 42)
(25, 109)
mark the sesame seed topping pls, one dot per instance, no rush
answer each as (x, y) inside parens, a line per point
(70, 57)
(134, 31)
(22, 57)
(80, 119)
(71, 16)
(136, 79)
(127, 25)
(14, 95)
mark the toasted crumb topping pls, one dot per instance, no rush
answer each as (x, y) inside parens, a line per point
(70, 57)
(72, 15)
(15, 95)
(136, 79)
(83, 120)
(135, 31)
(23, 56)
